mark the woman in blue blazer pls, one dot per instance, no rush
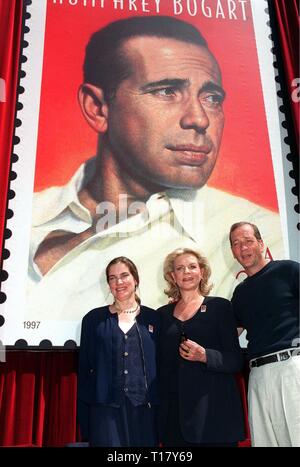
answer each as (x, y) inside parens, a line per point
(117, 385)
(199, 354)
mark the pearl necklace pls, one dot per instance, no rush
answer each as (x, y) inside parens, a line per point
(130, 310)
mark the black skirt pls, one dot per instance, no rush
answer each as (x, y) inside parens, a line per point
(125, 426)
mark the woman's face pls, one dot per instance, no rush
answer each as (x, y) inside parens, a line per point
(187, 272)
(121, 282)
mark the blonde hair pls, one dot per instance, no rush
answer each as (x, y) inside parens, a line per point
(172, 290)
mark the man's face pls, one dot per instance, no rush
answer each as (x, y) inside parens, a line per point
(165, 123)
(247, 249)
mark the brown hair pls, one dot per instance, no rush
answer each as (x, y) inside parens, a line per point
(132, 269)
(172, 290)
(240, 224)
(105, 63)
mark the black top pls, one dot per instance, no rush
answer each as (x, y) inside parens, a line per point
(267, 306)
(209, 400)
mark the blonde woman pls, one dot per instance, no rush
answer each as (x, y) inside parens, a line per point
(199, 354)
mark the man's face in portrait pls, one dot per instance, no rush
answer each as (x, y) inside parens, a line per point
(166, 120)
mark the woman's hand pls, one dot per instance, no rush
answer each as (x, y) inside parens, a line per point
(190, 350)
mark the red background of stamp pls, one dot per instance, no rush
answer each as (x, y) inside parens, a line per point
(244, 166)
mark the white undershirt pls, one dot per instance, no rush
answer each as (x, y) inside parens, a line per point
(126, 325)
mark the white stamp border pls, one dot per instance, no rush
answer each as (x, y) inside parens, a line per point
(58, 333)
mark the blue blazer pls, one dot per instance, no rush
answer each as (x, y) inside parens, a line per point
(95, 377)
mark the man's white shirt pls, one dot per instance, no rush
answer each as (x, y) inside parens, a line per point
(199, 219)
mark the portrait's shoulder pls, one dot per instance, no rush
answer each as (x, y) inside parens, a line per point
(234, 209)
(236, 206)
(47, 196)
(47, 204)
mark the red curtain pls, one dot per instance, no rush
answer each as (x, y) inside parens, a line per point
(38, 389)
(38, 398)
(287, 18)
(10, 33)
(38, 393)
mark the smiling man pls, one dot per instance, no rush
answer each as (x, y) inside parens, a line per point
(153, 93)
(266, 304)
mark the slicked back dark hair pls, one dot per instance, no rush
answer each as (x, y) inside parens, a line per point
(106, 66)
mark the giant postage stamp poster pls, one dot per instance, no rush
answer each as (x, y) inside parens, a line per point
(146, 126)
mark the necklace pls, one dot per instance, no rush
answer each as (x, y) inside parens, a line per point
(130, 310)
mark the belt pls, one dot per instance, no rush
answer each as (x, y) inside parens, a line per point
(275, 357)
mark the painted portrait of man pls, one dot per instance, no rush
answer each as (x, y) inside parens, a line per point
(150, 176)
